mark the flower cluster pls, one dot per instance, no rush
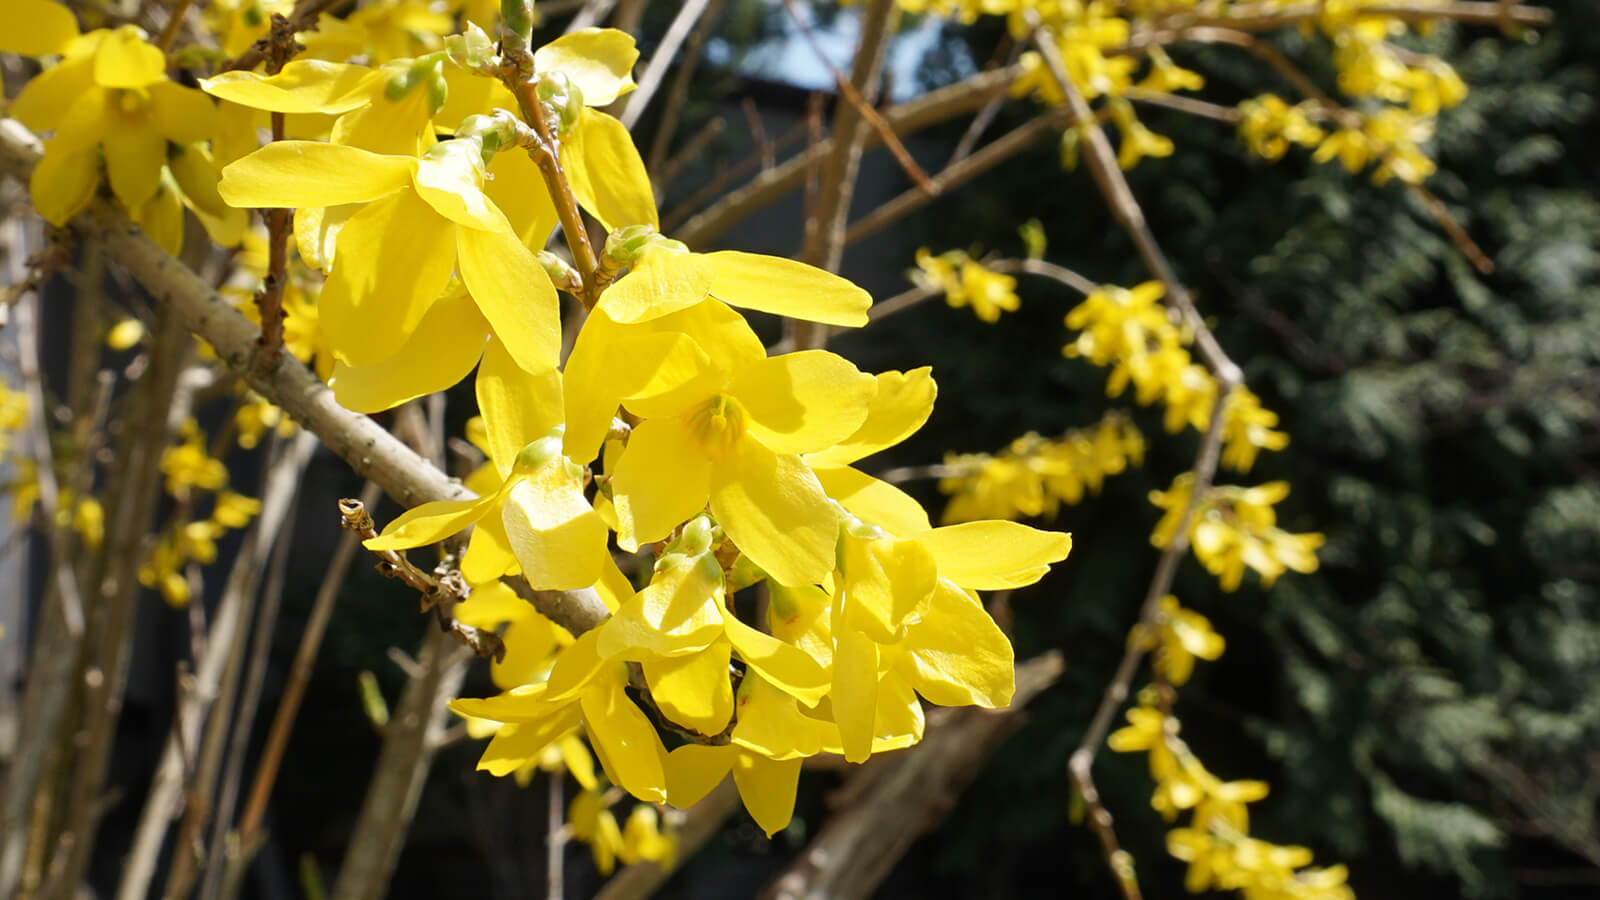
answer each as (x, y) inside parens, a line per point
(190, 470)
(966, 282)
(1133, 334)
(1234, 528)
(1216, 841)
(668, 430)
(1035, 475)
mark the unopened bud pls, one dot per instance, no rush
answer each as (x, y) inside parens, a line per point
(625, 245)
(516, 17)
(472, 50)
(563, 98)
(561, 272)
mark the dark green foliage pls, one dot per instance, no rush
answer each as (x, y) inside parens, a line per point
(1427, 705)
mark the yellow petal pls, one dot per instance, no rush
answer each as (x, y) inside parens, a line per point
(886, 580)
(782, 665)
(394, 261)
(191, 167)
(609, 362)
(694, 769)
(875, 502)
(161, 217)
(37, 28)
(401, 128)
(902, 403)
(957, 656)
(855, 691)
(450, 179)
(471, 94)
(675, 615)
(772, 507)
(770, 724)
(307, 173)
(557, 537)
(517, 408)
(694, 690)
(514, 294)
(721, 332)
(598, 60)
(804, 401)
(626, 742)
(515, 746)
(516, 187)
(47, 98)
(181, 114)
(488, 554)
(606, 174)
(125, 60)
(134, 158)
(316, 232)
(64, 181)
(663, 479)
(576, 667)
(430, 523)
(303, 86)
(441, 351)
(663, 281)
(767, 788)
(786, 288)
(995, 555)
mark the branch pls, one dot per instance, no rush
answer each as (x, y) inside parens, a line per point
(930, 109)
(369, 449)
(1114, 188)
(302, 18)
(859, 846)
(639, 98)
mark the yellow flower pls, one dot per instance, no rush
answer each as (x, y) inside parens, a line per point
(189, 465)
(423, 220)
(544, 521)
(37, 28)
(721, 423)
(110, 95)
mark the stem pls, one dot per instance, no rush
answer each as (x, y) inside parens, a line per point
(169, 32)
(1125, 208)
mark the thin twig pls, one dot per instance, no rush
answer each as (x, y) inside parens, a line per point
(302, 18)
(956, 174)
(678, 95)
(555, 839)
(1114, 188)
(169, 32)
(825, 226)
(688, 14)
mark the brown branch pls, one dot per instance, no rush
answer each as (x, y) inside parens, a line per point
(678, 95)
(688, 16)
(956, 174)
(169, 32)
(302, 18)
(281, 47)
(517, 74)
(825, 227)
(700, 824)
(1119, 198)
(906, 795)
(930, 109)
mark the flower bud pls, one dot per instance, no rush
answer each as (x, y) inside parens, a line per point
(563, 98)
(472, 50)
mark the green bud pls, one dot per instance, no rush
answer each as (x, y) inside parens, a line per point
(400, 84)
(561, 272)
(744, 573)
(438, 88)
(538, 453)
(557, 92)
(253, 15)
(516, 17)
(472, 50)
(625, 245)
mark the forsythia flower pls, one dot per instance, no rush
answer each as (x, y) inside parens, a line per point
(1233, 528)
(966, 281)
(110, 95)
(37, 28)
(1035, 475)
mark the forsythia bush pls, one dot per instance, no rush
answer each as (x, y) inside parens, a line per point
(428, 160)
